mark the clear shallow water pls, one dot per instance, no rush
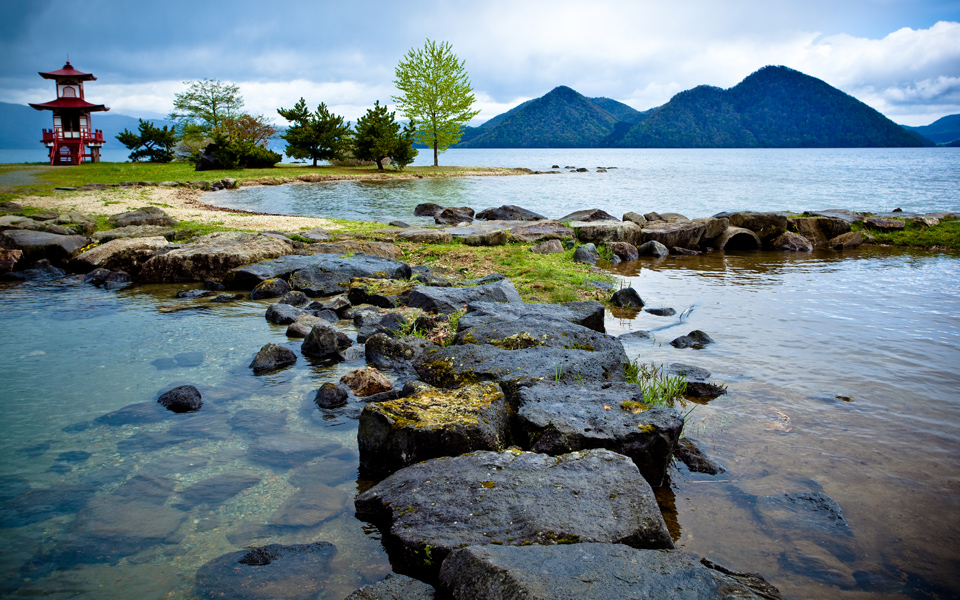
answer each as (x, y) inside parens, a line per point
(792, 333)
(696, 183)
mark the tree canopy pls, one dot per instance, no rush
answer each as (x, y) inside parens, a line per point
(202, 110)
(155, 144)
(436, 95)
(379, 136)
(318, 135)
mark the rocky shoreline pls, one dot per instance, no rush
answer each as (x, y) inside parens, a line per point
(512, 455)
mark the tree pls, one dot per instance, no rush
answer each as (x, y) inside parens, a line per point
(436, 95)
(200, 112)
(378, 137)
(248, 127)
(320, 135)
(153, 143)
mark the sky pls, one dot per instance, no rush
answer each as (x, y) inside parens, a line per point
(902, 57)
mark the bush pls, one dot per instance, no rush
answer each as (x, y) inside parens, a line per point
(243, 154)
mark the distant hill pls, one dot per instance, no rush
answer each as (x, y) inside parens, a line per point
(21, 126)
(941, 131)
(775, 107)
(562, 118)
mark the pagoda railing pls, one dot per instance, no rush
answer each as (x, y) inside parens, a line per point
(84, 136)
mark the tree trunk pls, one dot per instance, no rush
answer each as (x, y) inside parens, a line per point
(435, 152)
(380, 164)
(314, 161)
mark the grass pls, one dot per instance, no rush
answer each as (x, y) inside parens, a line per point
(658, 388)
(914, 235)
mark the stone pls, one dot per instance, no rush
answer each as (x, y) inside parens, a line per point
(330, 395)
(271, 288)
(588, 216)
(487, 238)
(182, 399)
(399, 224)
(425, 236)
(310, 506)
(674, 217)
(216, 490)
(674, 234)
(110, 527)
(634, 336)
(738, 238)
(766, 225)
(39, 245)
(427, 209)
(9, 206)
(789, 241)
(591, 571)
(817, 230)
(586, 253)
(661, 312)
(349, 248)
(212, 256)
(589, 313)
(691, 453)
(279, 572)
(431, 424)
(454, 215)
(652, 216)
(694, 339)
(328, 275)
(224, 298)
(512, 498)
(624, 250)
(689, 372)
(294, 299)
(366, 381)
(884, 224)
(653, 248)
(304, 323)
(395, 587)
(846, 241)
(282, 314)
(712, 228)
(627, 298)
(133, 231)
(635, 218)
(385, 352)
(540, 231)
(41, 270)
(509, 212)
(272, 358)
(607, 232)
(148, 215)
(256, 422)
(547, 247)
(535, 331)
(450, 300)
(321, 342)
(555, 419)
(124, 254)
(683, 251)
(290, 449)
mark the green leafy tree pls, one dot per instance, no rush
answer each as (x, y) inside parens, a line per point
(437, 95)
(202, 110)
(155, 144)
(319, 135)
(379, 136)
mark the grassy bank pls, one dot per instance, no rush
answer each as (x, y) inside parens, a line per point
(945, 235)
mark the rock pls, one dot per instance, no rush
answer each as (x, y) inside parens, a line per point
(249, 276)
(224, 298)
(271, 288)
(547, 247)
(789, 242)
(661, 312)
(692, 454)
(766, 225)
(133, 231)
(314, 235)
(297, 571)
(255, 422)
(215, 490)
(39, 245)
(555, 419)
(427, 209)
(653, 248)
(294, 299)
(282, 314)
(884, 224)
(454, 216)
(674, 217)
(586, 253)
(513, 498)
(486, 238)
(592, 571)
(689, 372)
(19, 222)
(836, 213)
(106, 278)
(208, 161)
(634, 336)
(846, 241)
(321, 342)
(712, 228)
(331, 395)
(271, 358)
(536, 332)
(588, 216)
(541, 231)
(694, 339)
(182, 399)
(652, 216)
(212, 256)
(385, 352)
(589, 314)
(214, 286)
(352, 247)
(808, 517)
(9, 259)
(925, 221)
(738, 238)
(366, 381)
(332, 276)
(310, 506)
(607, 232)
(509, 212)
(304, 323)
(394, 587)
(624, 250)
(290, 449)
(9, 206)
(41, 270)
(148, 215)
(627, 297)
(425, 236)
(111, 527)
(683, 251)
(431, 424)
(193, 294)
(399, 224)
(817, 230)
(635, 218)
(450, 300)
(672, 233)
(126, 254)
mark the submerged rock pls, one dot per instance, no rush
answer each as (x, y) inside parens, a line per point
(691, 453)
(395, 587)
(331, 395)
(694, 339)
(182, 399)
(295, 572)
(271, 358)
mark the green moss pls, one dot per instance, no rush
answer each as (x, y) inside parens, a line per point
(518, 341)
(440, 408)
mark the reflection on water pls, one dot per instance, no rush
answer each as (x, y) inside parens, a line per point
(841, 377)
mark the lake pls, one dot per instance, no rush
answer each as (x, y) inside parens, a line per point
(841, 372)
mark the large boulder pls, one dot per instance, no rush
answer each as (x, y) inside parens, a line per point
(817, 230)
(847, 241)
(606, 232)
(547, 247)
(271, 358)
(589, 313)
(766, 225)
(592, 572)
(789, 241)
(39, 245)
(540, 231)
(271, 288)
(454, 215)
(425, 236)
(126, 254)
(653, 248)
(513, 498)
(367, 381)
(386, 352)
(534, 331)
(394, 587)
(321, 342)
(351, 247)
(212, 256)
(427, 209)
(712, 229)
(589, 215)
(319, 271)
(674, 233)
(587, 254)
(509, 212)
(624, 250)
(450, 300)
(148, 215)
(134, 231)
(884, 224)
(430, 424)
(555, 419)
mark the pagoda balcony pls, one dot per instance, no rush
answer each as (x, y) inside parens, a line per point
(84, 136)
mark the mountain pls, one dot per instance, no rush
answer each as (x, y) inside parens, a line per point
(22, 126)
(562, 118)
(775, 107)
(941, 131)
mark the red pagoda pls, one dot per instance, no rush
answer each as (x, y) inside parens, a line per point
(72, 139)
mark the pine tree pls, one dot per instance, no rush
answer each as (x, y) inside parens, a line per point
(378, 137)
(320, 135)
(155, 144)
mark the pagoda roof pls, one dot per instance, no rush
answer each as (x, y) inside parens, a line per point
(70, 103)
(68, 72)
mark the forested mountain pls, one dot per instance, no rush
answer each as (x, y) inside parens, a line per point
(941, 131)
(21, 126)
